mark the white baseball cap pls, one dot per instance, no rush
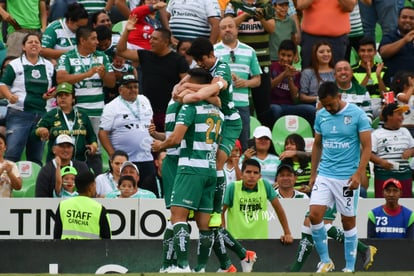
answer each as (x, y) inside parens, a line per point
(63, 138)
(262, 131)
(129, 163)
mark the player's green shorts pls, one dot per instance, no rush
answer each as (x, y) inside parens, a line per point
(330, 213)
(230, 132)
(169, 171)
(194, 192)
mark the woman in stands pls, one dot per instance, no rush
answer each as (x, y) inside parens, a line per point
(9, 174)
(67, 119)
(24, 84)
(108, 182)
(321, 70)
(262, 150)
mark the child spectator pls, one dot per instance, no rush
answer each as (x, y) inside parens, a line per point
(65, 181)
(286, 86)
(127, 186)
(370, 74)
(120, 68)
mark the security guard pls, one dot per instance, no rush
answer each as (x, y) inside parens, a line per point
(82, 217)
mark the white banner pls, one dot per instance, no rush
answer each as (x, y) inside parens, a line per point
(33, 218)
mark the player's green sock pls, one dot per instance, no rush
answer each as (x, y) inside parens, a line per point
(338, 235)
(335, 233)
(218, 194)
(219, 248)
(304, 249)
(181, 241)
(205, 242)
(232, 243)
(362, 247)
(168, 246)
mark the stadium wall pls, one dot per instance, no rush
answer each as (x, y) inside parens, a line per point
(132, 219)
(136, 256)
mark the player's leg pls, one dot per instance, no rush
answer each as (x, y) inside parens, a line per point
(219, 249)
(321, 198)
(169, 171)
(202, 216)
(230, 133)
(347, 204)
(305, 246)
(183, 191)
(366, 251)
(205, 241)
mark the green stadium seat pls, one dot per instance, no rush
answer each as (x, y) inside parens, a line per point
(287, 125)
(254, 122)
(28, 172)
(119, 27)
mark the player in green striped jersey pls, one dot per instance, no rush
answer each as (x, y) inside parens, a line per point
(197, 128)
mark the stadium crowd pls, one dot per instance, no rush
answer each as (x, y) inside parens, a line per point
(168, 90)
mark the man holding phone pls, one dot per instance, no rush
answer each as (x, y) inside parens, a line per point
(340, 154)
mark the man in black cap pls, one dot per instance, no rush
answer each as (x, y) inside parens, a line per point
(124, 126)
(285, 181)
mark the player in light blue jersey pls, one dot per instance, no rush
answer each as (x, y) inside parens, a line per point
(340, 154)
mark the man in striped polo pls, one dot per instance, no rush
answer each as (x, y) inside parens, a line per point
(255, 20)
(88, 70)
(245, 71)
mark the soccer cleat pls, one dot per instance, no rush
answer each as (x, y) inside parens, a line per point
(369, 256)
(248, 262)
(231, 269)
(215, 220)
(347, 270)
(325, 267)
(178, 269)
(166, 269)
(203, 270)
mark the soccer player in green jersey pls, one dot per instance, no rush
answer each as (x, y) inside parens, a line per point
(197, 128)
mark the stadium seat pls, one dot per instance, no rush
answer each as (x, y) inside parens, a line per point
(254, 122)
(309, 143)
(119, 27)
(375, 123)
(28, 172)
(286, 125)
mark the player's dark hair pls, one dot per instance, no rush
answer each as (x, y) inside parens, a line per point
(200, 75)
(326, 89)
(200, 47)
(83, 181)
(251, 162)
(288, 45)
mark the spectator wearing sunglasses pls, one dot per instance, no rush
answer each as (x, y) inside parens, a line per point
(245, 70)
